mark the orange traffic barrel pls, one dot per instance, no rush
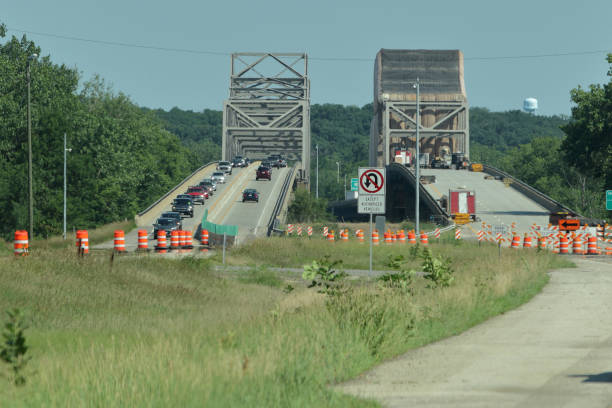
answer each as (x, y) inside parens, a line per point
(563, 245)
(20, 245)
(527, 241)
(143, 241)
(82, 242)
(204, 239)
(577, 246)
(182, 238)
(424, 239)
(375, 237)
(162, 243)
(360, 235)
(411, 237)
(387, 237)
(542, 241)
(330, 236)
(592, 246)
(344, 235)
(516, 242)
(188, 240)
(402, 237)
(119, 241)
(175, 239)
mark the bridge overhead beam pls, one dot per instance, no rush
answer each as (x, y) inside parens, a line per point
(268, 111)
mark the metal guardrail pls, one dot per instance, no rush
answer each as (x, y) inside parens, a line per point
(280, 201)
(424, 194)
(545, 201)
(140, 214)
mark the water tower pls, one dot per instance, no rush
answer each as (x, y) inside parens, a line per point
(530, 105)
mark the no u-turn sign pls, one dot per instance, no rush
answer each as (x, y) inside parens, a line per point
(371, 199)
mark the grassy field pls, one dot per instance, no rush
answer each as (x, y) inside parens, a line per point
(148, 331)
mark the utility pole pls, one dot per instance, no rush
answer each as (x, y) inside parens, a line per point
(418, 159)
(30, 195)
(65, 190)
(338, 173)
(317, 190)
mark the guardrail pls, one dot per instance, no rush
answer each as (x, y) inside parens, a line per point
(423, 193)
(281, 200)
(545, 201)
(140, 214)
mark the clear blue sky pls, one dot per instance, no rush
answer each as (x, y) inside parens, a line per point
(323, 28)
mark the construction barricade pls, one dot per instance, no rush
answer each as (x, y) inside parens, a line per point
(330, 236)
(119, 241)
(375, 237)
(592, 248)
(457, 234)
(360, 235)
(424, 239)
(516, 242)
(162, 243)
(21, 243)
(175, 240)
(563, 245)
(412, 238)
(82, 242)
(577, 245)
(527, 241)
(387, 237)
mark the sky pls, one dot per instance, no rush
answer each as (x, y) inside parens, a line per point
(352, 32)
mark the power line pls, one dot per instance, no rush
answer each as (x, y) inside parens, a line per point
(338, 59)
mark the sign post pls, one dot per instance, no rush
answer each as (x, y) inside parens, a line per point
(371, 196)
(609, 200)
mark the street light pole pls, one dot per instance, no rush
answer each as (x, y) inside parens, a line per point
(30, 195)
(418, 159)
(317, 191)
(338, 174)
(65, 151)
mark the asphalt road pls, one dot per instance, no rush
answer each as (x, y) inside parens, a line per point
(495, 203)
(555, 351)
(216, 205)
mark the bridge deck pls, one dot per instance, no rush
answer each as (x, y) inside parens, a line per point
(495, 203)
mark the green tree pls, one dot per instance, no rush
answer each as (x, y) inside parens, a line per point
(588, 145)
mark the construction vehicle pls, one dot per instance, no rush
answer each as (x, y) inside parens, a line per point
(459, 161)
(461, 204)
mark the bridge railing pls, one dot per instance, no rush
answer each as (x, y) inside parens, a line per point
(281, 201)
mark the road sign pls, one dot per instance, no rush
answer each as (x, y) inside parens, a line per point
(569, 224)
(499, 229)
(354, 184)
(609, 200)
(371, 199)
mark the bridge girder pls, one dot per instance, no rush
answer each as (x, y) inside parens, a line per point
(268, 110)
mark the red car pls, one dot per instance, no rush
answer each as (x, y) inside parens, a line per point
(264, 173)
(198, 194)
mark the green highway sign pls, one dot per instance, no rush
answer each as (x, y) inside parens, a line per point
(609, 200)
(354, 184)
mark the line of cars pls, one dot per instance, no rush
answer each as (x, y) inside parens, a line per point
(183, 205)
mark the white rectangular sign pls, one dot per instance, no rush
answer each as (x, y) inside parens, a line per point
(372, 183)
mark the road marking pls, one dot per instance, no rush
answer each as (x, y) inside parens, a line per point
(266, 207)
(225, 191)
(435, 190)
(229, 207)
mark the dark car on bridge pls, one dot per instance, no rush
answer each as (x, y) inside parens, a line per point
(175, 215)
(183, 206)
(263, 173)
(250, 194)
(164, 224)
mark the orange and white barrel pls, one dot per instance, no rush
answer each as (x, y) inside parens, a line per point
(20, 244)
(204, 237)
(563, 245)
(175, 240)
(182, 241)
(119, 241)
(360, 235)
(424, 239)
(393, 237)
(387, 237)
(82, 241)
(516, 242)
(411, 238)
(143, 241)
(188, 240)
(375, 237)
(577, 245)
(527, 241)
(162, 243)
(330, 236)
(345, 235)
(402, 237)
(592, 248)
(542, 242)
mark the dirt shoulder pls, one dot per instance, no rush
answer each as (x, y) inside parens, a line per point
(553, 351)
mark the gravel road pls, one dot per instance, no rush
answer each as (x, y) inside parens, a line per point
(555, 351)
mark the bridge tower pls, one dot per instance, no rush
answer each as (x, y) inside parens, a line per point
(444, 124)
(268, 110)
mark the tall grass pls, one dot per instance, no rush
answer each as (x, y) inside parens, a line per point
(149, 331)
